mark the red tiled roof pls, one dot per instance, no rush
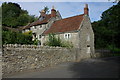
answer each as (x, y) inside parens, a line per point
(64, 25)
(38, 22)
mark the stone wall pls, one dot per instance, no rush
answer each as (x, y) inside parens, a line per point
(99, 53)
(25, 57)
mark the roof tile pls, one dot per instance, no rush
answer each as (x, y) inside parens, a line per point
(65, 25)
(38, 22)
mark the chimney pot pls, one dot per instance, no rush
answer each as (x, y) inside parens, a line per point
(53, 12)
(86, 10)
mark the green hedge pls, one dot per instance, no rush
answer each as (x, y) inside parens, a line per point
(9, 37)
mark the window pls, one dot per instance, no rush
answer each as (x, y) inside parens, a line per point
(27, 30)
(40, 36)
(67, 35)
(40, 26)
(34, 27)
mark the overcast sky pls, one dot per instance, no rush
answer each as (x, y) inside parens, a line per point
(68, 9)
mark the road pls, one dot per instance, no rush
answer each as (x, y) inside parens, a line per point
(91, 68)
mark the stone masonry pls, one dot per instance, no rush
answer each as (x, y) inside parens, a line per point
(18, 58)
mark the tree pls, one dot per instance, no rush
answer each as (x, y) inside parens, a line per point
(10, 11)
(107, 29)
(9, 37)
(46, 9)
(53, 41)
(13, 15)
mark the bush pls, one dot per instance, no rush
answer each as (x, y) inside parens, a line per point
(66, 44)
(56, 41)
(9, 37)
(28, 33)
(53, 41)
(113, 48)
(36, 42)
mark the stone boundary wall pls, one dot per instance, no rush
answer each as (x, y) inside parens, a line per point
(25, 57)
(99, 53)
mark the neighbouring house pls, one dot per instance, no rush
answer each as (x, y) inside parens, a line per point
(43, 23)
(76, 29)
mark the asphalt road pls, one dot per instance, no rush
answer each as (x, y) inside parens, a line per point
(91, 68)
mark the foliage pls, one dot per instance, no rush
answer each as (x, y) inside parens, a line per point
(36, 42)
(56, 41)
(114, 49)
(107, 30)
(46, 9)
(53, 41)
(67, 44)
(28, 33)
(13, 15)
(9, 37)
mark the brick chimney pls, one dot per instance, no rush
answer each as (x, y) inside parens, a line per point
(53, 12)
(86, 10)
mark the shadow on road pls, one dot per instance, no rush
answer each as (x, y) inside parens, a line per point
(97, 68)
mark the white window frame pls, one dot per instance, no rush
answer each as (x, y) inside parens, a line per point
(40, 26)
(34, 27)
(67, 35)
(40, 36)
(27, 30)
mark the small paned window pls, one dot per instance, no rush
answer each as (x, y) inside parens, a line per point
(35, 27)
(67, 35)
(40, 36)
(40, 26)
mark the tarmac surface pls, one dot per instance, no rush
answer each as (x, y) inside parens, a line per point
(90, 68)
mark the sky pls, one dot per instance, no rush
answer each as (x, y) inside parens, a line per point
(68, 9)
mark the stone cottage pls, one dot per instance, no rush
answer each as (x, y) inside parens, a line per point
(76, 29)
(43, 23)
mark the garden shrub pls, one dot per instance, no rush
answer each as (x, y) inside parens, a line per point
(56, 41)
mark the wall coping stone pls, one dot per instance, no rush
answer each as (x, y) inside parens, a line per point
(31, 46)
